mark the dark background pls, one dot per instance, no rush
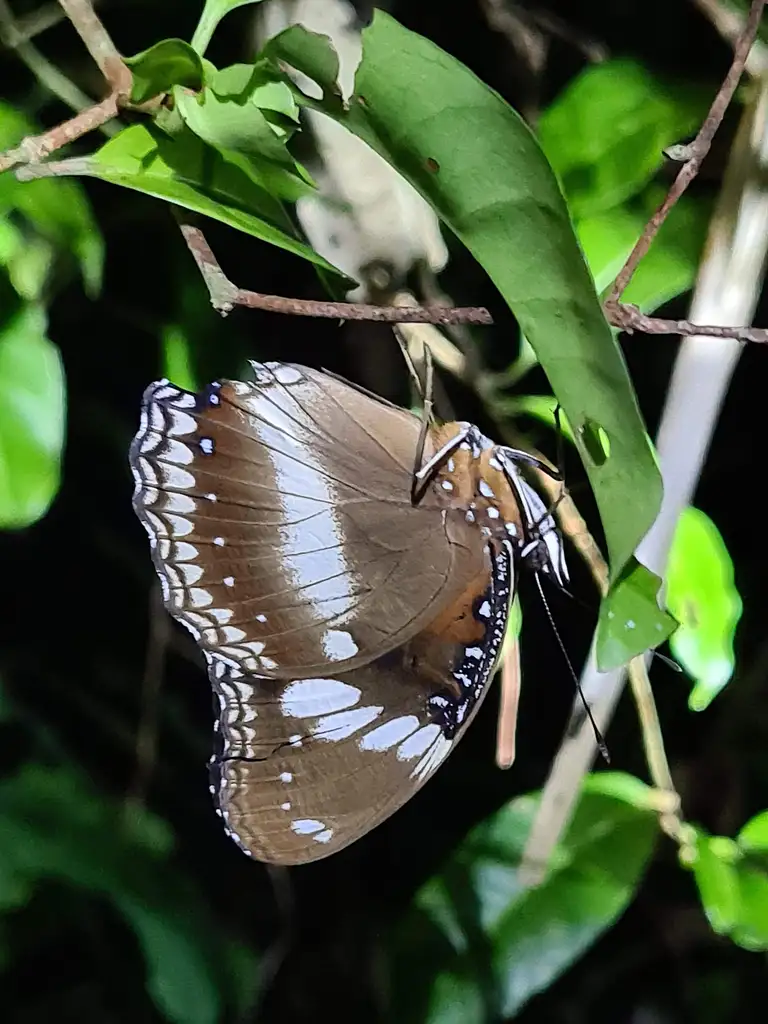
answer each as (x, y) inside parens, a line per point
(76, 590)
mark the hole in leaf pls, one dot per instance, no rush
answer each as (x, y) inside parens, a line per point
(432, 165)
(596, 441)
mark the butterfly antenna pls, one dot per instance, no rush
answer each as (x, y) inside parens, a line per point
(601, 745)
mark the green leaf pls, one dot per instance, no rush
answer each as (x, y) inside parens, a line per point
(32, 414)
(500, 197)
(226, 117)
(476, 922)
(55, 826)
(180, 979)
(702, 596)
(606, 133)
(55, 218)
(753, 837)
(669, 268)
(717, 880)
(213, 12)
(751, 929)
(166, 64)
(182, 170)
(177, 359)
(313, 53)
(630, 620)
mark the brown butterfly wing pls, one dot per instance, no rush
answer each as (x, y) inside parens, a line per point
(306, 767)
(281, 524)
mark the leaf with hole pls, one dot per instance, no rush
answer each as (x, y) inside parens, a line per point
(501, 198)
(702, 596)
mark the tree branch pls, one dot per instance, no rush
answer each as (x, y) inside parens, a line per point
(630, 318)
(225, 296)
(35, 148)
(693, 154)
(99, 44)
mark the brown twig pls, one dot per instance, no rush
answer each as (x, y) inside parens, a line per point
(225, 296)
(694, 156)
(35, 148)
(630, 318)
(89, 27)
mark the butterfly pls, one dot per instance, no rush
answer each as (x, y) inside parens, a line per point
(347, 569)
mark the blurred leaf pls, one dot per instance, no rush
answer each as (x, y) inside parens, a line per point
(627, 788)
(753, 837)
(32, 413)
(751, 929)
(501, 199)
(606, 133)
(156, 70)
(54, 826)
(718, 884)
(630, 620)
(186, 172)
(540, 407)
(669, 268)
(213, 12)
(180, 980)
(225, 116)
(56, 218)
(702, 596)
(177, 359)
(503, 943)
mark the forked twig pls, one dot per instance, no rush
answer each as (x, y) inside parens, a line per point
(225, 296)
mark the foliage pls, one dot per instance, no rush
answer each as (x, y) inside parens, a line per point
(539, 215)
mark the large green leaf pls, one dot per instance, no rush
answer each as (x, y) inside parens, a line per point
(606, 133)
(702, 595)
(183, 170)
(32, 410)
(478, 937)
(477, 163)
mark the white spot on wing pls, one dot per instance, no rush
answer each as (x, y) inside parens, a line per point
(306, 826)
(323, 837)
(345, 723)
(228, 581)
(486, 490)
(416, 744)
(389, 734)
(307, 698)
(286, 777)
(338, 645)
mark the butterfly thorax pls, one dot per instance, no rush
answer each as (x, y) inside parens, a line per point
(473, 479)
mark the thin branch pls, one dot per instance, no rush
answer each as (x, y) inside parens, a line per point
(49, 76)
(695, 153)
(225, 296)
(89, 27)
(35, 148)
(630, 318)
